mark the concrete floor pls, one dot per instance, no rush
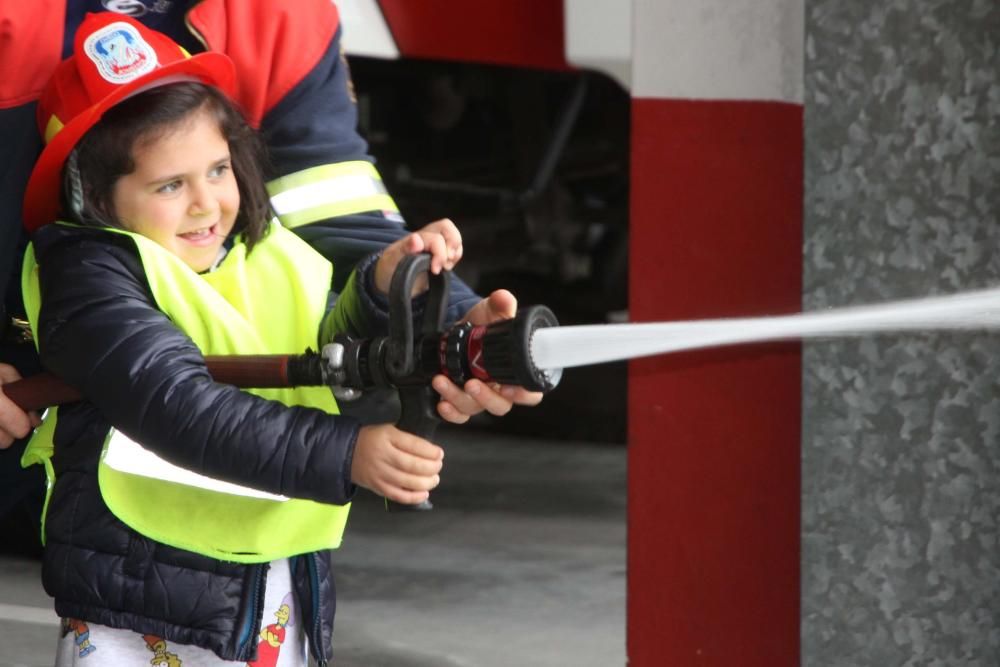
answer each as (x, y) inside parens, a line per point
(522, 562)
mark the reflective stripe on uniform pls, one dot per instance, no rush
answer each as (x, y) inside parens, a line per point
(328, 191)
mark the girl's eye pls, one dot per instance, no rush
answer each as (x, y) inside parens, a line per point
(169, 188)
(219, 170)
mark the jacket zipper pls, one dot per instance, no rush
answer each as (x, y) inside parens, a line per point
(251, 617)
(319, 651)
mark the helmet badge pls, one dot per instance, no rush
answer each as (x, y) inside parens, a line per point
(120, 53)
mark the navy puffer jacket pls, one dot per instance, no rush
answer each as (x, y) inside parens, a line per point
(100, 330)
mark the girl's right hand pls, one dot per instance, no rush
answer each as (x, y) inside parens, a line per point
(441, 239)
(395, 464)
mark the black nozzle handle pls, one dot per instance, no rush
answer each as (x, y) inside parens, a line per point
(400, 359)
(418, 414)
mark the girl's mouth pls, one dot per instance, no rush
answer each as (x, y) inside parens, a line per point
(201, 236)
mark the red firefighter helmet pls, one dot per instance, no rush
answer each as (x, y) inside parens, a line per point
(114, 57)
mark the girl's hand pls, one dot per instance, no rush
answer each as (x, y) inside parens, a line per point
(395, 464)
(441, 239)
(15, 423)
(457, 404)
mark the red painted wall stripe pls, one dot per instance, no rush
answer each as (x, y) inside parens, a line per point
(525, 33)
(713, 535)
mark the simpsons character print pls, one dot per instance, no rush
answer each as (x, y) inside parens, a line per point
(103, 645)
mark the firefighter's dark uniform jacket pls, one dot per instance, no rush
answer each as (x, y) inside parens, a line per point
(99, 328)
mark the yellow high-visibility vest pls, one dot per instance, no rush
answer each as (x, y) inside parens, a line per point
(270, 302)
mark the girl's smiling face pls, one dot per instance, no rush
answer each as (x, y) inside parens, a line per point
(182, 193)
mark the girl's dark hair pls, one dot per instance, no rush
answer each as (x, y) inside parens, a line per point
(105, 153)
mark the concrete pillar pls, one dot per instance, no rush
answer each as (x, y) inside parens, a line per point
(716, 215)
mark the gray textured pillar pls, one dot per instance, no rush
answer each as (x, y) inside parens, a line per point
(901, 436)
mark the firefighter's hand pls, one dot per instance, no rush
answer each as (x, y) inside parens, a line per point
(395, 464)
(15, 423)
(459, 403)
(441, 239)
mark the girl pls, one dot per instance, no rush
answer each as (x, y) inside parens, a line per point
(184, 513)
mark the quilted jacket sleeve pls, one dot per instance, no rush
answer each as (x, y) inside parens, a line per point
(99, 330)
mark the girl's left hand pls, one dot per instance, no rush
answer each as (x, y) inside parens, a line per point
(441, 239)
(457, 404)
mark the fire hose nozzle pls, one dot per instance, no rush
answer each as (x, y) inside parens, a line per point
(499, 352)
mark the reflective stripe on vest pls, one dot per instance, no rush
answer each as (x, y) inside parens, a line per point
(328, 191)
(270, 302)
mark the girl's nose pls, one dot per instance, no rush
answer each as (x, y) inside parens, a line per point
(202, 202)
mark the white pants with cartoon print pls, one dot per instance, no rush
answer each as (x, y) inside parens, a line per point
(281, 642)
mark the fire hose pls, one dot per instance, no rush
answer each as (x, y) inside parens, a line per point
(404, 360)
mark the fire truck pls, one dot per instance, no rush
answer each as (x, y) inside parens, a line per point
(509, 119)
